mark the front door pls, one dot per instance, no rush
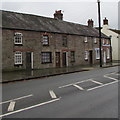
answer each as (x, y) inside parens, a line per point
(57, 59)
(28, 60)
(91, 57)
(64, 59)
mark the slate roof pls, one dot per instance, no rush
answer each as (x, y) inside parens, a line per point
(13, 20)
(116, 31)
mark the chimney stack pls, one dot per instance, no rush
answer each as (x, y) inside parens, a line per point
(105, 21)
(90, 23)
(58, 15)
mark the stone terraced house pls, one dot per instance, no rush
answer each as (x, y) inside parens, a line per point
(35, 42)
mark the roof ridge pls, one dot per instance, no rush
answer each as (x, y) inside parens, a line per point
(43, 17)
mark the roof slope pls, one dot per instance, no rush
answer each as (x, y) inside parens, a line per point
(116, 31)
(15, 20)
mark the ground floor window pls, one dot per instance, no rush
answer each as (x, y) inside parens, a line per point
(86, 55)
(108, 53)
(18, 58)
(46, 57)
(72, 56)
(97, 53)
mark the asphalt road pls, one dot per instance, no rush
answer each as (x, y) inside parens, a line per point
(90, 94)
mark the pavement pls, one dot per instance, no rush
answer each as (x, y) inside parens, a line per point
(12, 76)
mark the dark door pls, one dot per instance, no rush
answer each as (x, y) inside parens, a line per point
(57, 59)
(91, 57)
(28, 60)
(64, 59)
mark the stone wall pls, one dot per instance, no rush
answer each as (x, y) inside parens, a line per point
(32, 42)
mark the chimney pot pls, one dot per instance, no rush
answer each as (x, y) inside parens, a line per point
(58, 15)
(105, 21)
(90, 23)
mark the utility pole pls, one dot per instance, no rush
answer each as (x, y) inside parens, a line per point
(100, 44)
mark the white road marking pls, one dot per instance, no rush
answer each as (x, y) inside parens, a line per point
(74, 83)
(52, 94)
(110, 78)
(80, 88)
(111, 73)
(34, 106)
(101, 86)
(11, 106)
(17, 99)
(117, 74)
(96, 82)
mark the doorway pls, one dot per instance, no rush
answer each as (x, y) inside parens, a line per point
(29, 60)
(64, 60)
(57, 59)
(91, 57)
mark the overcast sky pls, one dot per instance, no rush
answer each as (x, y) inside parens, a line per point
(77, 11)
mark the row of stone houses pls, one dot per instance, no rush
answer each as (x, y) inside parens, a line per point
(35, 42)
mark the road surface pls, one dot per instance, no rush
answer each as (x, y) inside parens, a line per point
(90, 94)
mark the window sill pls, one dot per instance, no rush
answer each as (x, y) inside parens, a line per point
(45, 45)
(18, 64)
(97, 58)
(72, 61)
(18, 44)
(46, 63)
(86, 59)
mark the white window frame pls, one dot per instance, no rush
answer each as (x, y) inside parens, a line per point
(45, 40)
(95, 40)
(97, 53)
(86, 55)
(85, 39)
(108, 53)
(18, 38)
(103, 41)
(18, 58)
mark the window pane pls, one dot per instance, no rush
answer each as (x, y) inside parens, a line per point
(46, 57)
(64, 41)
(18, 58)
(72, 56)
(18, 38)
(45, 40)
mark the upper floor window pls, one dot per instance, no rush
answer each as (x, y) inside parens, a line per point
(95, 40)
(18, 58)
(72, 56)
(18, 38)
(85, 40)
(64, 41)
(45, 40)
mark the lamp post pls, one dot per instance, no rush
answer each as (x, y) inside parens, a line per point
(100, 44)
(110, 49)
